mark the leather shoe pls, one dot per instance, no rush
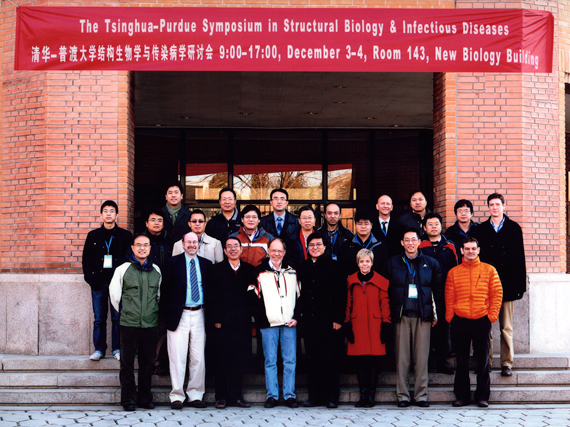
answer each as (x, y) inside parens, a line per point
(309, 403)
(459, 403)
(240, 403)
(220, 404)
(483, 404)
(271, 402)
(177, 404)
(148, 405)
(129, 407)
(403, 404)
(332, 405)
(197, 404)
(506, 371)
(423, 404)
(445, 369)
(291, 403)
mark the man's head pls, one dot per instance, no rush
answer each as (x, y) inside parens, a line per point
(363, 224)
(307, 218)
(227, 200)
(174, 194)
(190, 243)
(410, 242)
(463, 211)
(384, 206)
(233, 248)
(154, 221)
(279, 199)
(109, 211)
(316, 245)
(365, 259)
(332, 215)
(432, 225)
(141, 247)
(277, 251)
(470, 249)
(496, 204)
(250, 216)
(418, 201)
(197, 221)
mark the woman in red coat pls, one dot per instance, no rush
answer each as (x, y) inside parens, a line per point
(368, 310)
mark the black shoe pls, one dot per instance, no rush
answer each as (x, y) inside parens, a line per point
(271, 402)
(332, 405)
(197, 404)
(309, 403)
(240, 403)
(423, 404)
(159, 370)
(291, 403)
(483, 404)
(177, 405)
(129, 407)
(220, 404)
(459, 403)
(369, 401)
(404, 404)
(506, 371)
(148, 405)
(445, 369)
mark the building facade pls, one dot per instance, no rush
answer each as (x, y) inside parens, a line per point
(72, 139)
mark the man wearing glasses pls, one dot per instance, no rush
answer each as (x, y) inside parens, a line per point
(280, 223)
(416, 294)
(210, 248)
(463, 228)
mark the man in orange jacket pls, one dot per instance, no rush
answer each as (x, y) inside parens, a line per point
(473, 297)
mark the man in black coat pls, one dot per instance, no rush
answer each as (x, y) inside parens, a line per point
(231, 318)
(501, 242)
(185, 287)
(228, 220)
(323, 304)
(463, 228)
(280, 223)
(176, 215)
(387, 229)
(105, 249)
(414, 216)
(333, 231)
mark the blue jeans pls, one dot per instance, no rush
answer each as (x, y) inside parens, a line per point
(288, 339)
(101, 304)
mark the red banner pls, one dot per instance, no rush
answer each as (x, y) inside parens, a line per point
(259, 39)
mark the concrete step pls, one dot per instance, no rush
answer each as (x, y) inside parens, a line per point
(257, 396)
(46, 380)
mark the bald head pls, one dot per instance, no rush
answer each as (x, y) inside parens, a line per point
(384, 206)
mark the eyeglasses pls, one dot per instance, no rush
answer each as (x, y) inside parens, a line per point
(413, 240)
(227, 199)
(279, 199)
(316, 245)
(155, 220)
(463, 211)
(232, 246)
(197, 221)
(250, 217)
(142, 245)
(276, 251)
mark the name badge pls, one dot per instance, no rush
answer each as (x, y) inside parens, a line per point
(412, 291)
(108, 261)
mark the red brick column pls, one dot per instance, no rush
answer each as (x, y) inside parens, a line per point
(67, 145)
(504, 133)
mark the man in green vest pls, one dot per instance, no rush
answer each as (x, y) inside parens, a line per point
(135, 289)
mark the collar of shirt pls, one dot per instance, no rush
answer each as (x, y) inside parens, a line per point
(235, 268)
(387, 221)
(188, 258)
(498, 227)
(272, 266)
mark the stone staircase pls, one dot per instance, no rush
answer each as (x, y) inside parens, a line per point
(76, 380)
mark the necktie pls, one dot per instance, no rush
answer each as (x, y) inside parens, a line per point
(279, 225)
(384, 227)
(194, 291)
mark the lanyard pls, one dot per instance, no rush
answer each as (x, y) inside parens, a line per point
(413, 274)
(365, 247)
(109, 244)
(335, 237)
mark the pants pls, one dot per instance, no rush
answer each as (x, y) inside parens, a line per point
(188, 338)
(506, 327)
(287, 337)
(231, 345)
(324, 347)
(101, 303)
(440, 342)
(367, 370)
(465, 331)
(161, 345)
(141, 342)
(412, 340)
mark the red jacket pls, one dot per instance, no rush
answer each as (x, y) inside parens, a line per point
(367, 307)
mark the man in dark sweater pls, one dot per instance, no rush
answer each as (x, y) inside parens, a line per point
(105, 249)
(176, 215)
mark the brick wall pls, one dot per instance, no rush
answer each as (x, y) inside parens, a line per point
(503, 132)
(67, 145)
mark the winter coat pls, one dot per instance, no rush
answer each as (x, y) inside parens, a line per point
(444, 252)
(473, 290)
(253, 252)
(220, 228)
(367, 308)
(343, 234)
(290, 230)
(457, 235)
(350, 249)
(176, 231)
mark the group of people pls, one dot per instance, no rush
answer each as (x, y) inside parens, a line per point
(396, 286)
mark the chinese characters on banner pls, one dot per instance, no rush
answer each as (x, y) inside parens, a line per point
(255, 39)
